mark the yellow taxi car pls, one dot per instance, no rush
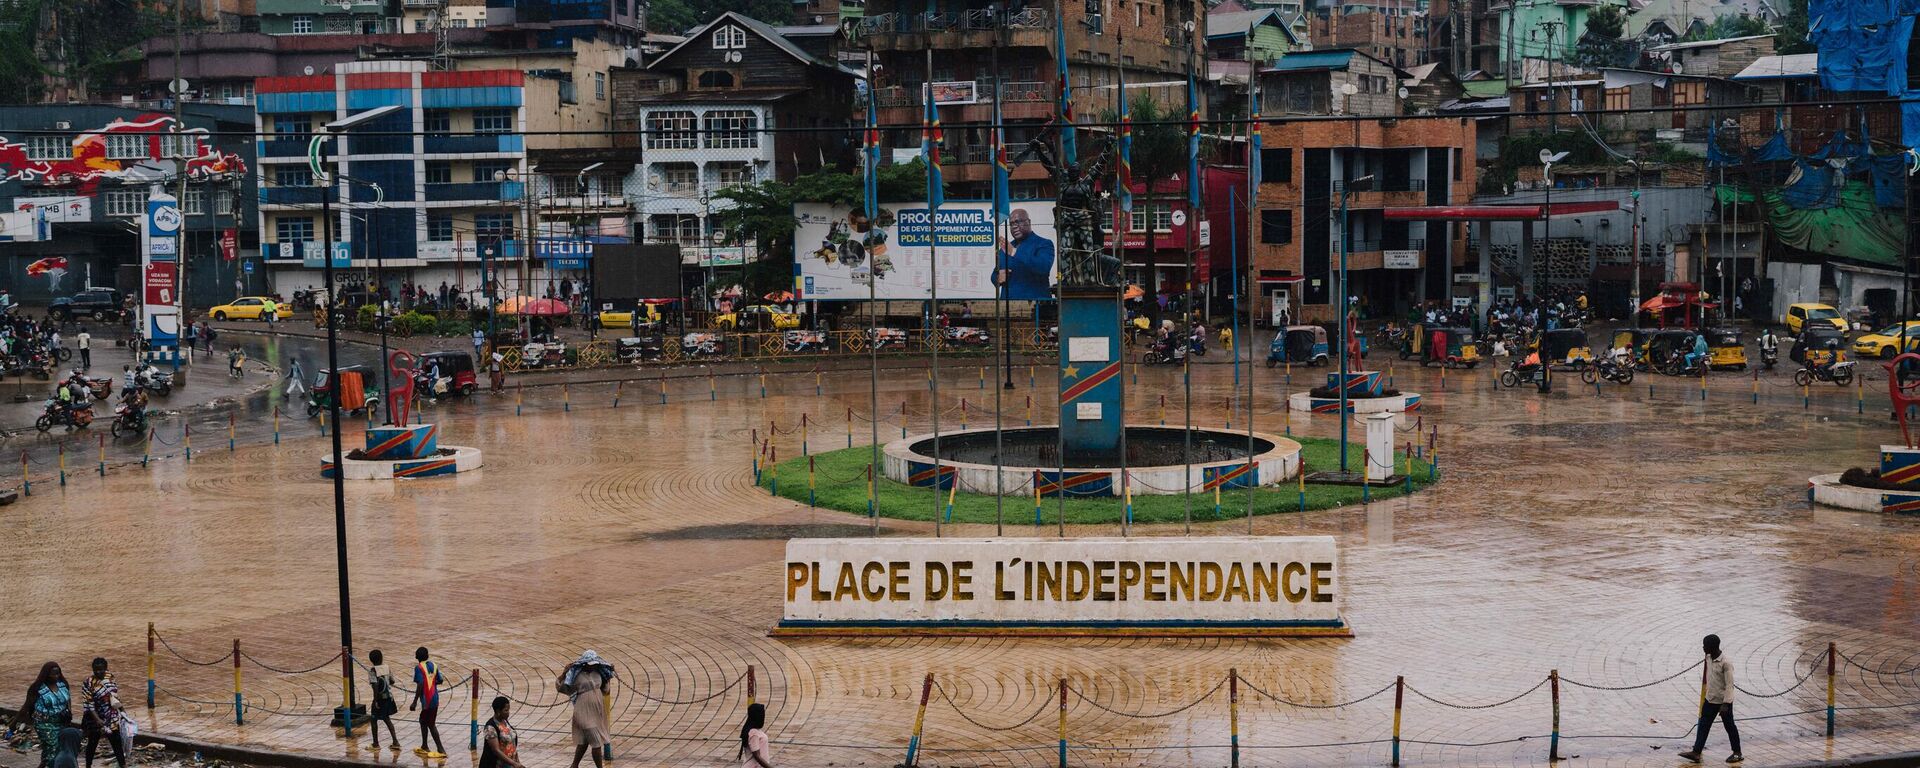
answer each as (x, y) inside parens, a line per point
(1885, 343)
(250, 308)
(625, 318)
(759, 317)
(1798, 315)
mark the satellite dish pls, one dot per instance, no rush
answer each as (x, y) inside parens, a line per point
(177, 86)
(1403, 91)
(1349, 89)
(308, 70)
(1550, 157)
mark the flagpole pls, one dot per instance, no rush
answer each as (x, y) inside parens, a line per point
(934, 193)
(1000, 203)
(1124, 200)
(1253, 186)
(1193, 223)
(871, 138)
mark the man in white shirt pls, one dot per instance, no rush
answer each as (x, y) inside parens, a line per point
(1717, 702)
(85, 343)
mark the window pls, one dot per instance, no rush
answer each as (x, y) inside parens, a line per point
(680, 177)
(223, 204)
(437, 122)
(126, 146)
(714, 79)
(732, 129)
(599, 88)
(492, 121)
(126, 202)
(439, 228)
(729, 37)
(671, 130)
(419, 25)
(1276, 226)
(1533, 102)
(196, 203)
(439, 172)
(459, 23)
(1163, 218)
(292, 125)
(293, 229)
(734, 175)
(1276, 165)
(180, 146)
(491, 226)
(488, 170)
(1689, 92)
(49, 147)
(1619, 98)
(292, 176)
(303, 25)
(1459, 158)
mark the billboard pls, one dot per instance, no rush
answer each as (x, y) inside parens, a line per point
(624, 271)
(839, 251)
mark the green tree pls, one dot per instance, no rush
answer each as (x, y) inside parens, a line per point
(1603, 45)
(1724, 27)
(676, 17)
(1159, 152)
(762, 213)
(94, 37)
(1791, 35)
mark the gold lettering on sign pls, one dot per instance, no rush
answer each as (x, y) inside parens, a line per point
(870, 589)
(1180, 582)
(1103, 580)
(937, 581)
(1236, 584)
(1286, 582)
(1129, 577)
(962, 579)
(1266, 582)
(1049, 579)
(819, 595)
(1156, 581)
(1079, 580)
(1210, 578)
(897, 580)
(796, 578)
(1000, 591)
(1321, 580)
(845, 586)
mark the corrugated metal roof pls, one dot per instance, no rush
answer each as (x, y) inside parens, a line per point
(1791, 65)
(1303, 61)
(1705, 43)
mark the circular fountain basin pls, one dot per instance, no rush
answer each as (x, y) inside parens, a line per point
(1154, 462)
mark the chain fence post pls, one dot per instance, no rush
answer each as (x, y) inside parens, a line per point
(103, 454)
(1553, 746)
(1399, 688)
(751, 693)
(239, 709)
(1233, 713)
(919, 720)
(346, 690)
(1063, 723)
(473, 712)
(150, 665)
(1831, 652)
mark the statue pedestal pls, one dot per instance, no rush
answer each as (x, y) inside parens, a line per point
(1090, 373)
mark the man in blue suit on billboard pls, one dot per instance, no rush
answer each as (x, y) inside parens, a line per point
(1029, 260)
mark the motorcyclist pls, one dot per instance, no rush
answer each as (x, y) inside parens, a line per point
(134, 400)
(1830, 357)
(1769, 344)
(1699, 350)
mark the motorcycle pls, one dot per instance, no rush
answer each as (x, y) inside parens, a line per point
(127, 419)
(1517, 374)
(967, 337)
(155, 381)
(1769, 357)
(1678, 365)
(100, 388)
(1164, 353)
(1838, 373)
(1197, 345)
(76, 417)
(1607, 368)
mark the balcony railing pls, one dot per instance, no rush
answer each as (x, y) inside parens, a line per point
(291, 195)
(1019, 91)
(973, 153)
(1361, 246)
(471, 145)
(492, 191)
(967, 21)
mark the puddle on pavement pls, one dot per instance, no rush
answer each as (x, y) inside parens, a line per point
(739, 531)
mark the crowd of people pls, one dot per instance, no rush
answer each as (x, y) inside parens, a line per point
(586, 682)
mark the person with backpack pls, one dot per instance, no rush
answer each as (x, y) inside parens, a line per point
(384, 706)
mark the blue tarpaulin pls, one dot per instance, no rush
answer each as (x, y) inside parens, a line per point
(1889, 174)
(1810, 188)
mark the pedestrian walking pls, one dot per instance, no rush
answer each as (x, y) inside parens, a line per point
(426, 698)
(496, 373)
(381, 681)
(586, 682)
(48, 708)
(479, 344)
(67, 753)
(84, 341)
(269, 311)
(753, 739)
(296, 379)
(1718, 702)
(101, 713)
(207, 334)
(236, 363)
(502, 746)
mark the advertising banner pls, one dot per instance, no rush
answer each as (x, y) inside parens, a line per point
(1400, 259)
(839, 251)
(58, 210)
(160, 316)
(1248, 583)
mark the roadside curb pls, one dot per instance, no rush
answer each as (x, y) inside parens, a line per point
(237, 754)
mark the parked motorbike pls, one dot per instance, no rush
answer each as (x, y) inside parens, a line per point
(78, 416)
(1517, 374)
(1607, 368)
(154, 380)
(1164, 353)
(1838, 373)
(1769, 358)
(967, 337)
(543, 355)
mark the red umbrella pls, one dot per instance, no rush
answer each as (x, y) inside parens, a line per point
(545, 308)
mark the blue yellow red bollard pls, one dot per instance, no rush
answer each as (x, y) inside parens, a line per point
(919, 720)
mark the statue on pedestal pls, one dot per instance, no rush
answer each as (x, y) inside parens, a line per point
(1084, 261)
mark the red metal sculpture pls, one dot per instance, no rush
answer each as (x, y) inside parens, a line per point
(400, 364)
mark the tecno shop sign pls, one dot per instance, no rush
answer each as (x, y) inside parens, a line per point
(1243, 586)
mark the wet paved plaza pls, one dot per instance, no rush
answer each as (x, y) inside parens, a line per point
(1599, 535)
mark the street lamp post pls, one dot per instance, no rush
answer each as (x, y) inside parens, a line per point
(586, 289)
(1346, 243)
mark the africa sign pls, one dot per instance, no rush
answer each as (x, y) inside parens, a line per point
(1229, 586)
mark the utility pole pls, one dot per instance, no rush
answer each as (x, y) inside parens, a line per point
(178, 88)
(1636, 241)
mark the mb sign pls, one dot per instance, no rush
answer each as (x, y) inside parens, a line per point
(1214, 587)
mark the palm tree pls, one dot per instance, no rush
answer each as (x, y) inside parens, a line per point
(1159, 152)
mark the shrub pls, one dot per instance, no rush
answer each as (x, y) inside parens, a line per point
(417, 323)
